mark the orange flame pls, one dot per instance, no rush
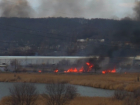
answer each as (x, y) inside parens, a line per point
(75, 70)
(113, 71)
(88, 63)
(103, 72)
(39, 71)
(109, 71)
(81, 70)
(56, 71)
(90, 66)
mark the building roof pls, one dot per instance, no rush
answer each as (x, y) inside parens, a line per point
(3, 65)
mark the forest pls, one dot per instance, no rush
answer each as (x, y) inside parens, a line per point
(40, 33)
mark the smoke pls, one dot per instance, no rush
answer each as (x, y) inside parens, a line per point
(90, 9)
(15, 8)
(75, 8)
(69, 8)
(137, 11)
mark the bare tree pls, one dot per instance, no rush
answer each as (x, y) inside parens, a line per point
(58, 93)
(120, 94)
(137, 93)
(129, 98)
(6, 69)
(96, 61)
(16, 65)
(96, 67)
(133, 98)
(23, 94)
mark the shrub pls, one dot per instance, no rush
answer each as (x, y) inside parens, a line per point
(120, 94)
(23, 94)
(137, 93)
(58, 93)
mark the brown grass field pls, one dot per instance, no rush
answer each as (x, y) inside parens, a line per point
(105, 81)
(76, 101)
(127, 82)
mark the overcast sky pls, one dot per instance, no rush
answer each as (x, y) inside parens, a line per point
(83, 8)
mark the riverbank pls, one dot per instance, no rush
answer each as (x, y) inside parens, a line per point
(76, 101)
(127, 81)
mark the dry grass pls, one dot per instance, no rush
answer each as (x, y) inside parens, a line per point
(76, 101)
(106, 81)
(95, 101)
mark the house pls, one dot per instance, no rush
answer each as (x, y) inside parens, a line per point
(3, 68)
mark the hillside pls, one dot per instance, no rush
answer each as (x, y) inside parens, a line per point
(44, 36)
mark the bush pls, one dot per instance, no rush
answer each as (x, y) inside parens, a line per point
(58, 93)
(137, 93)
(23, 94)
(129, 100)
(120, 94)
(71, 92)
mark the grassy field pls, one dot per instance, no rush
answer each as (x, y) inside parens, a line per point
(106, 81)
(76, 101)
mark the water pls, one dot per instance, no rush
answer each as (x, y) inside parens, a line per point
(82, 90)
(94, 92)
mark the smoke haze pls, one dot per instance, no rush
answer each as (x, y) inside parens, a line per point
(68, 8)
(15, 8)
(137, 11)
(75, 8)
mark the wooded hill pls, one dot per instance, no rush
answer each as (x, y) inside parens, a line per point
(21, 32)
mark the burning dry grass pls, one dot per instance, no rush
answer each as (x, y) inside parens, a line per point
(106, 81)
(76, 101)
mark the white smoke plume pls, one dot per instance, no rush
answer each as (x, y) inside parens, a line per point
(69, 8)
(15, 8)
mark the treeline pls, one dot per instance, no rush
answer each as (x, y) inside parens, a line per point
(40, 32)
(37, 30)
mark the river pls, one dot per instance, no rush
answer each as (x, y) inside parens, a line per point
(82, 90)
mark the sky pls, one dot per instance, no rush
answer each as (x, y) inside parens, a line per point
(81, 8)
(85, 8)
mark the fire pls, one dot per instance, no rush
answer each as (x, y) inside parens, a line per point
(109, 71)
(75, 70)
(103, 72)
(81, 70)
(39, 71)
(113, 71)
(56, 71)
(90, 66)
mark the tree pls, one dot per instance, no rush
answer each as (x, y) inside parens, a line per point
(6, 69)
(120, 94)
(96, 61)
(16, 65)
(23, 94)
(58, 93)
(96, 67)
